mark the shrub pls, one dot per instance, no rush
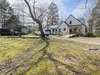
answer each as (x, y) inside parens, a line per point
(90, 35)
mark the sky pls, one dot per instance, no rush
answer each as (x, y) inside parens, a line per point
(68, 7)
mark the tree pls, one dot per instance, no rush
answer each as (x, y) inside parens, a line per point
(5, 12)
(96, 19)
(36, 18)
(13, 22)
(90, 22)
(53, 17)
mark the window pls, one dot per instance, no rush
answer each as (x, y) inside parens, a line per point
(70, 31)
(56, 30)
(53, 30)
(59, 30)
(47, 30)
(70, 22)
(75, 29)
(64, 29)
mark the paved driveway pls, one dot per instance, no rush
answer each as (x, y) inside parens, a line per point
(95, 41)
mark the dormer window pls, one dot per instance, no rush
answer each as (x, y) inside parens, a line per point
(70, 22)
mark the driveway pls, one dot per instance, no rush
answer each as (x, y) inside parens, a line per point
(94, 41)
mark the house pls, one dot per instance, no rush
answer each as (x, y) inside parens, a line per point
(75, 26)
(63, 29)
(52, 30)
(72, 25)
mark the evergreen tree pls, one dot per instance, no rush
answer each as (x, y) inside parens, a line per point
(53, 17)
(96, 19)
(5, 12)
(13, 22)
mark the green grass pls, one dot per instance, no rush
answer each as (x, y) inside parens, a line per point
(76, 55)
(71, 53)
(10, 47)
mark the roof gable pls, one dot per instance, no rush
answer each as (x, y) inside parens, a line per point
(63, 24)
(71, 20)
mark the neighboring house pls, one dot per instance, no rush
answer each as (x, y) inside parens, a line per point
(70, 26)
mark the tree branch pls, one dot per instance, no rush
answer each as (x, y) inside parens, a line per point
(35, 19)
(34, 10)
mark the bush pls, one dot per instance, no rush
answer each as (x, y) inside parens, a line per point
(90, 35)
(5, 32)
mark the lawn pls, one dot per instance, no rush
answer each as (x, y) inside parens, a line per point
(77, 56)
(10, 47)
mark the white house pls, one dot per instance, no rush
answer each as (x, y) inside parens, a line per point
(75, 25)
(63, 29)
(53, 30)
(70, 26)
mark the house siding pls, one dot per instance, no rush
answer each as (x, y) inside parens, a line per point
(62, 27)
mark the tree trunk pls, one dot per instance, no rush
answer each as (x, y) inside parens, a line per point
(35, 19)
(41, 30)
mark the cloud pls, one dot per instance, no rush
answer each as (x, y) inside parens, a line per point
(62, 8)
(65, 9)
(44, 3)
(81, 11)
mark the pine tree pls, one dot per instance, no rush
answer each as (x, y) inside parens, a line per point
(5, 12)
(13, 22)
(53, 17)
(96, 18)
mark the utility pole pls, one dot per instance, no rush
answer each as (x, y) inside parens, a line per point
(86, 3)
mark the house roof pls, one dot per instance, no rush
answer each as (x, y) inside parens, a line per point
(55, 26)
(51, 27)
(71, 20)
(62, 24)
(74, 20)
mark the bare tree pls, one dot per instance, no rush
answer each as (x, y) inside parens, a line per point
(35, 17)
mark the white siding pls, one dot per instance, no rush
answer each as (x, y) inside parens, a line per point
(62, 27)
(83, 30)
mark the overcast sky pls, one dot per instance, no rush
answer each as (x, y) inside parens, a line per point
(67, 7)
